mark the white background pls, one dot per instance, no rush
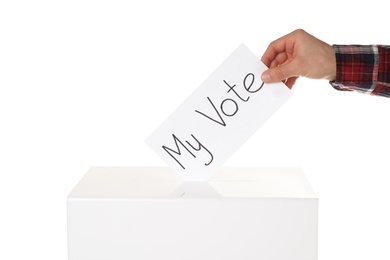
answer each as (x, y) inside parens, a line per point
(83, 83)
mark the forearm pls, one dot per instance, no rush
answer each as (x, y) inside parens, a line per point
(363, 68)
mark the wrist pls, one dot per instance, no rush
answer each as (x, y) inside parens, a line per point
(331, 66)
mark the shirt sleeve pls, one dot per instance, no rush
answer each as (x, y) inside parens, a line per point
(363, 68)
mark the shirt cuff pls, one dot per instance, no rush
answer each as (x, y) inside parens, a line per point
(356, 68)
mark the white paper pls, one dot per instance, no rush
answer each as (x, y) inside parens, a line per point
(218, 117)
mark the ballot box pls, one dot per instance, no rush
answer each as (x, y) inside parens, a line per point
(149, 213)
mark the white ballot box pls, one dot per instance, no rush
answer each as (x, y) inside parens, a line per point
(149, 213)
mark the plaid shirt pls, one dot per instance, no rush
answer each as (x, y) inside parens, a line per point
(363, 68)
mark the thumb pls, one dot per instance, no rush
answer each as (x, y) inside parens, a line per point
(279, 73)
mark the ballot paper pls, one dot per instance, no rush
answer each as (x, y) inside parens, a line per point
(218, 117)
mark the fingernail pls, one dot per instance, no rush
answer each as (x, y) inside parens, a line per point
(265, 77)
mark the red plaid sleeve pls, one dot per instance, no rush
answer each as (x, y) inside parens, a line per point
(363, 68)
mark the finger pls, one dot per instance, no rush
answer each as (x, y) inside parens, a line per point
(279, 73)
(274, 48)
(290, 82)
(279, 59)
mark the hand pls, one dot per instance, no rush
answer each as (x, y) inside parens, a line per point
(298, 54)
